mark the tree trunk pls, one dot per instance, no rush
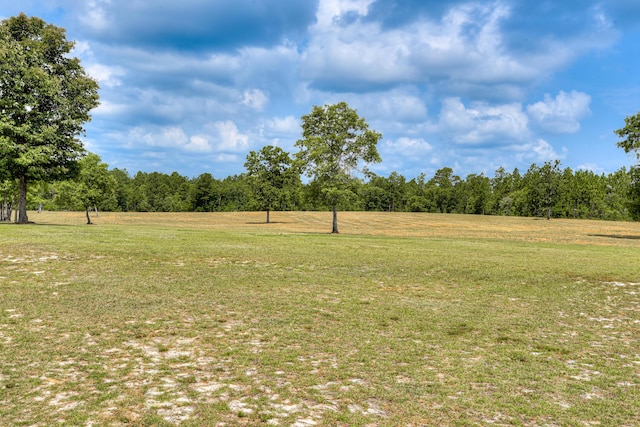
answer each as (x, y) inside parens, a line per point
(88, 217)
(335, 219)
(5, 209)
(22, 202)
(268, 216)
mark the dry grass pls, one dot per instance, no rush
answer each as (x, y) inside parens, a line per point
(403, 320)
(590, 232)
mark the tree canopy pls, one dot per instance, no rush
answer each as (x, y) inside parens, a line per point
(94, 184)
(631, 134)
(45, 99)
(271, 174)
(335, 142)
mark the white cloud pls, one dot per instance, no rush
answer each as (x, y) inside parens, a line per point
(105, 75)
(537, 151)
(467, 51)
(463, 49)
(169, 137)
(94, 15)
(483, 123)
(590, 167)
(255, 99)
(409, 147)
(107, 108)
(330, 10)
(281, 126)
(81, 48)
(397, 105)
(229, 138)
(198, 144)
(561, 114)
(226, 158)
(395, 63)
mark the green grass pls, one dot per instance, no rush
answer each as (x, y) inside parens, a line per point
(404, 320)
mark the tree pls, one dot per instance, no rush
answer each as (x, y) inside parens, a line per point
(123, 188)
(634, 194)
(93, 185)
(45, 98)
(271, 174)
(631, 133)
(7, 196)
(477, 192)
(442, 189)
(204, 193)
(542, 188)
(335, 142)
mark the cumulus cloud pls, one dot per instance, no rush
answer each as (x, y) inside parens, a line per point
(255, 98)
(107, 108)
(398, 105)
(561, 114)
(228, 138)
(281, 126)
(95, 16)
(105, 75)
(462, 50)
(170, 137)
(196, 25)
(537, 151)
(166, 137)
(198, 144)
(414, 147)
(483, 124)
(219, 78)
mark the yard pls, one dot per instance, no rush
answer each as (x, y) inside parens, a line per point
(218, 319)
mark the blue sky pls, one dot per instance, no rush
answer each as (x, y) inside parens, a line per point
(193, 85)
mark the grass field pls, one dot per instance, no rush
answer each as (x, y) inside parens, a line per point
(402, 320)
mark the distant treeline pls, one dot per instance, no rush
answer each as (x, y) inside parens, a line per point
(541, 191)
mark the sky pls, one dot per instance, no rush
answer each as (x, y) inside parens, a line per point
(193, 85)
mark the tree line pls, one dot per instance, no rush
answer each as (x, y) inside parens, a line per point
(541, 191)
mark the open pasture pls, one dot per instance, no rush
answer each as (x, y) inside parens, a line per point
(218, 319)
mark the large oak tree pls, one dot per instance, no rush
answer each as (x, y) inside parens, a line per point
(336, 141)
(45, 99)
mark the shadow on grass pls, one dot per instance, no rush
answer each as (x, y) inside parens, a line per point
(267, 223)
(47, 224)
(617, 236)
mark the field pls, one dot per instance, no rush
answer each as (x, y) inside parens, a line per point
(218, 319)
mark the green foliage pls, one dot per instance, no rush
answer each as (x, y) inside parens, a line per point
(634, 194)
(579, 194)
(203, 193)
(45, 99)
(272, 177)
(92, 187)
(8, 193)
(631, 142)
(336, 141)
(631, 134)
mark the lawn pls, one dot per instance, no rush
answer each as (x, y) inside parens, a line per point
(217, 319)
